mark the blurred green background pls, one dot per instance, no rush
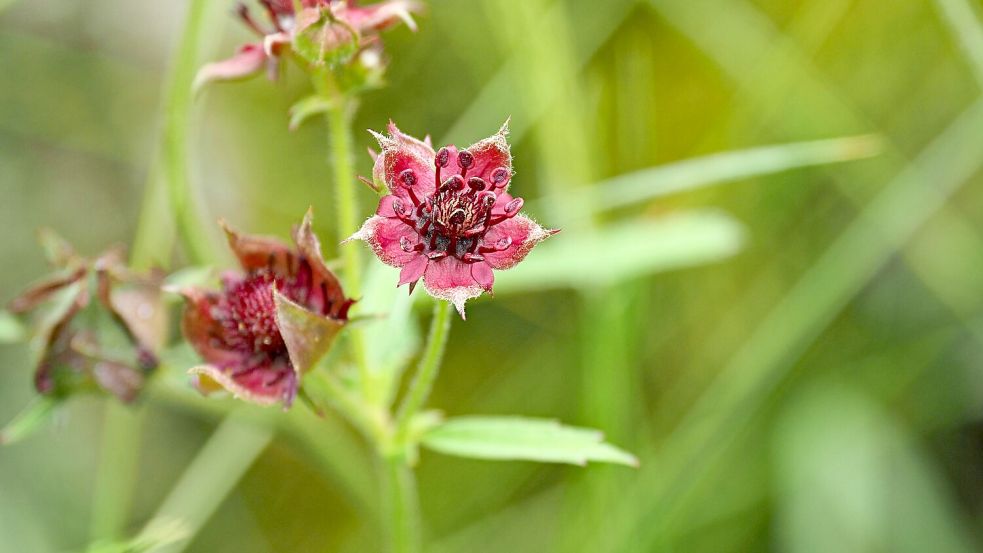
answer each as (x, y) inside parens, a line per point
(795, 355)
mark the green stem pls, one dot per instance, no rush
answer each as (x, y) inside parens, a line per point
(426, 372)
(401, 506)
(177, 111)
(342, 162)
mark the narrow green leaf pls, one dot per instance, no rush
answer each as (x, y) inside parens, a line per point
(630, 249)
(523, 439)
(11, 329)
(305, 108)
(28, 421)
(724, 167)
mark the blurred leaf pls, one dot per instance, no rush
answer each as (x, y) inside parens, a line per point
(965, 25)
(305, 108)
(11, 329)
(704, 171)
(523, 439)
(28, 421)
(625, 250)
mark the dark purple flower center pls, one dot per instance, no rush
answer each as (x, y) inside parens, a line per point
(455, 218)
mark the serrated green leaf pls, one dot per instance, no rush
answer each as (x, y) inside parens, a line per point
(625, 250)
(11, 329)
(523, 439)
(305, 108)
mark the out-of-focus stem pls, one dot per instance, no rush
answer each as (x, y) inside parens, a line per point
(177, 107)
(401, 505)
(167, 178)
(117, 472)
(426, 372)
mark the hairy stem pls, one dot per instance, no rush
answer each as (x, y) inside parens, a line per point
(401, 505)
(426, 372)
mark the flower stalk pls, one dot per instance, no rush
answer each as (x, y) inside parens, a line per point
(426, 372)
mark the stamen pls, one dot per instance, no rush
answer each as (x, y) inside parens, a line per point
(243, 12)
(477, 184)
(271, 12)
(457, 217)
(408, 179)
(472, 257)
(500, 246)
(441, 160)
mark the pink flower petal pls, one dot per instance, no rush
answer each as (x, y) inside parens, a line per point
(385, 208)
(413, 270)
(379, 15)
(523, 232)
(246, 62)
(263, 384)
(398, 155)
(490, 154)
(385, 237)
(450, 279)
(501, 201)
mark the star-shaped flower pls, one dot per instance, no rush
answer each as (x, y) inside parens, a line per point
(269, 325)
(448, 217)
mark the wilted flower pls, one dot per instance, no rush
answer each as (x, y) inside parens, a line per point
(448, 217)
(269, 326)
(110, 344)
(317, 31)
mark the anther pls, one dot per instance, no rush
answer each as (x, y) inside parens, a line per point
(477, 184)
(465, 159)
(499, 176)
(487, 198)
(398, 207)
(409, 247)
(457, 217)
(408, 178)
(443, 157)
(454, 183)
(472, 257)
(514, 206)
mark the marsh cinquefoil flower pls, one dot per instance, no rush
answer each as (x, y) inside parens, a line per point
(448, 217)
(269, 326)
(317, 29)
(100, 326)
